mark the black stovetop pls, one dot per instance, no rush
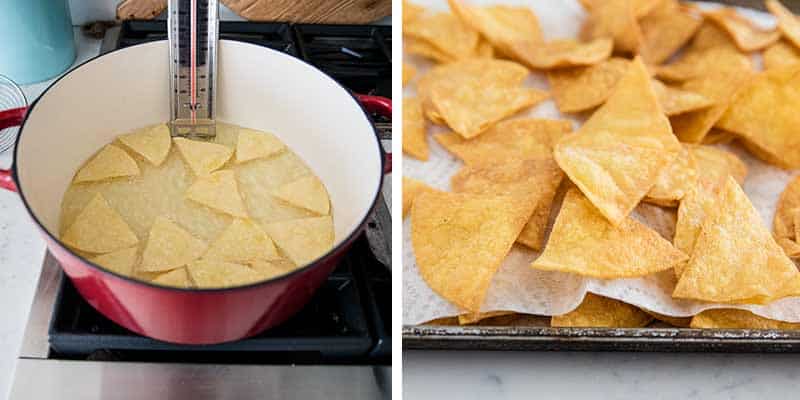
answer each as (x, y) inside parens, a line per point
(348, 320)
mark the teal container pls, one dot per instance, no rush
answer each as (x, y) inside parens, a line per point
(36, 39)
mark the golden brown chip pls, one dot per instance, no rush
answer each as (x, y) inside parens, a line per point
(253, 144)
(219, 274)
(218, 191)
(459, 241)
(718, 136)
(109, 162)
(408, 73)
(203, 157)
(176, 278)
(445, 321)
(516, 139)
(583, 242)
(731, 318)
(169, 246)
(562, 53)
(665, 30)
(152, 143)
(783, 222)
(484, 49)
(534, 180)
(307, 193)
(446, 33)
(415, 141)
(602, 312)
(411, 11)
(679, 322)
(474, 106)
(715, 164)
(242, 241)
(699, 57)
(674, 181)
(746, 35)
(780, 54)
(472, 318)
(709, 36)
(501, 25)
(582, 88)
(303, 240)
(411, 189)
(765, 114)
(641, 8)
(788, 23)
(735, 258)
(631, 122)
(99, 229)
(120, 261)
(427, 50)
(616, 19)
(789, 246)
(676, 101)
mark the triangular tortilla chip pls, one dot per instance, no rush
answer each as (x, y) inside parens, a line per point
(308, 193)
(583, 242)
(674, 181)
(415, 141)
(516, 139)
(735, 258)
(781, 54)
(615, 19)
(409, 71)
(602, 312)
(501, 25)
(203, 157)
(459, 241)
(411, 189)
(152, 143)
(253, 144)
(473, 107)
(631, 122)
(783, 222)
(676, 101)
(120, 261)
(698, 58)
(273, 268)
(446, 32)
(731, 318)
(218, 191)
(303, 240)
(765, 114)
(746, 35)
(709, 36)
(582, 88)
(242, 242)
(220, 274)
(788, 23)
(169, 246)
(665, 30)
(99, 229)
(562, 53)
(109, 162)
(175, 278)
(411, 11)
(535, 181)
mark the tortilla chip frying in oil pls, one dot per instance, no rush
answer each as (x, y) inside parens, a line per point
(562, 53)
(176, 278)
(218, 191)
(99, 229)
(459, 241)
(665, 30)
(676, 101)
(746, 35)
(583, 242)
(219, 274)
(253, 144)
(411, 189)
(582, 88)
(307, 193)
(735, 258)
(674, 181)
(415, 141)
(203, 157)
(516, 139)
(780, 54)
(169, 246)
(109, 162)
(242, 241)
(615, 19)
(303, 240)
(631, 122)
(731, 318)
(602, 312)
(445, 32)
(788, 23)
(152, 143)
(120, 261)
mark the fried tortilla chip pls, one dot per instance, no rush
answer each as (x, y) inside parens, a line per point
(641, 8)
(175, 278)
(411, 189)
(484, 49)
(473, 318)
(109, 162)
(731, 318)
(715, 164)
(152, 143)
(582, 88)
(218, 191)
(501, 25)
(631, 122)
(535, 180)
(718, 136)
(616, 19)
(765, 114)
(303, 240)
(781, 54)
(788, 23)
(674, 181)
(746, 35)
(427, 50)
(473, 107)
(415, 142)
(789, 246)
(219, 274)
(307, 193)
(665, 30)
(445, 32)
(789, 201)
(516, 139)
(676, 101)
(203, 157)
(735, 258)
(120, 261)
(709, 36)
(273, 268)
(602, 312)
(699, 57)
(253, 144)
(242, 241)
(409, 71)
(99, 229)
(459, 241)
(411, 11)
(169, 246)
(562, 53)
(583, 242)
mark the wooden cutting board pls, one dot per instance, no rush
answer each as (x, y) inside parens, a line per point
(302, 11)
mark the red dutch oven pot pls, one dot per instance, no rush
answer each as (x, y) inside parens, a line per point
(257, 88)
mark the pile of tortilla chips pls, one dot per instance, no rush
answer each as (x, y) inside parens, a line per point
(656, 84)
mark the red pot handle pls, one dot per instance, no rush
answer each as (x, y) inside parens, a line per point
(383, 107)
(10, 118)
(6, 181)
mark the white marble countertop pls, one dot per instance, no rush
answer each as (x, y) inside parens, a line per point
(22, 248)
